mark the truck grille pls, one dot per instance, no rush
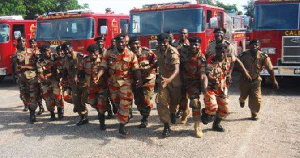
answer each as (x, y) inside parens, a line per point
(291, 49)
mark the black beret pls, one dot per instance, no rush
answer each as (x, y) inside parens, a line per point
(58, 48)
(194, 39)
(163, 37)
(92, 48)
(120, 37)
(32, 40)
(66, 45)
(100, 38)
(220, 29)
(44, 47)
(254, 41)
(221, 47)
(133, 39)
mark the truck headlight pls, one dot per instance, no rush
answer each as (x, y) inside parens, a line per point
(269, 50)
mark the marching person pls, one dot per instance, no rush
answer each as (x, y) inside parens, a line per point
(37, 53)
(218, 65)
(77, 80)
(143, 95)
(254, 60)
(169, 90)
(195, 80)
(26, 70)
(50, 82)
(121, 64)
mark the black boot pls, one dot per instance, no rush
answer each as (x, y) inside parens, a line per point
(41, 109)
(52, 114)
(144, 122)
(60, 112)
(166, 131)
(205, 118)
(216, 125)
(179, 113)
(173, 118)
(122, 129)
(130, 113)
(83, 120)
(101, 118)
(25, 108)
(109, 114)
(32, 116)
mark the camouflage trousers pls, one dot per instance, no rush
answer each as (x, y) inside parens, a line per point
(52, 94)
(98, 98)
(167, 100)
(79, 97)
(67, 90)
(29, 92)
(143, 97)
(122, 98)
(216, 102)
(193, 93)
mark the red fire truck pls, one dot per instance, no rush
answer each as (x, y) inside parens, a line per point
(80, 27)
(199, 19)
(9, 25)
(277, 26)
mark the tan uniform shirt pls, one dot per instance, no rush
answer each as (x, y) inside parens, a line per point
(166, 64)
(255, 65)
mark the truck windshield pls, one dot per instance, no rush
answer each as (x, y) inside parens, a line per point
(277, 16)
(4, 33)
(65, 29)
(155, 22)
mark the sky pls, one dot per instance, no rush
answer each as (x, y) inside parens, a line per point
(124, 6)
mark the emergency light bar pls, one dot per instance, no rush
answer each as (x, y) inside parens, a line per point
(13, 17)
(79, 11)
(166, 4)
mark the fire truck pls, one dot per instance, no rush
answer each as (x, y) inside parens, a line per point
(277, 26)
(80, 27)
(199, 19)
(8, 26)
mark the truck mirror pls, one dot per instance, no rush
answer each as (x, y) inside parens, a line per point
(125, 28)
(103, 30)
(17, 34)
(247, 21)
(213, 22)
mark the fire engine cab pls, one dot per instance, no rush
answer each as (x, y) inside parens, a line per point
(9, 25)
(199, 19)
(80, 27)
(277, 26)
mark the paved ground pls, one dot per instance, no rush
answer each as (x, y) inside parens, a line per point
(276, 134)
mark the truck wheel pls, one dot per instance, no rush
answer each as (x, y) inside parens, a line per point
(1, 78)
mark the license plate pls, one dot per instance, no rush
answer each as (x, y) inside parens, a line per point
(296, 71)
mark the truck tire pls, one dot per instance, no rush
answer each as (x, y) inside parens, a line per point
(1, 78)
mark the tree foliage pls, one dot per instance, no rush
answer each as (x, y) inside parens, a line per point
(249, 8)
(30, 8)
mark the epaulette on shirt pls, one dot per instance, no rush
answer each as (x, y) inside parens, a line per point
(145, 48)
(174, 50)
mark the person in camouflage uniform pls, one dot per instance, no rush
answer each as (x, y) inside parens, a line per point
(26, 70)
(169, 84)
(77, 79)
(100, 42)
(35, 50)
(193, 70)
(121, 64)
(218, 66)
(97, 91)
(50, 82)
(143, 95)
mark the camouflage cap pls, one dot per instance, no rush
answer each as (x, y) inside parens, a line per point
(120, 37)
(194, 39)
(100, 38)
(220, 29)
(133, 39)
(163, 37)
(66, 45)
(92, 48)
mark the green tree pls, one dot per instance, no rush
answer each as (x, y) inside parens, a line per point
(249, 8)
(227, 8)
(30, 8)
